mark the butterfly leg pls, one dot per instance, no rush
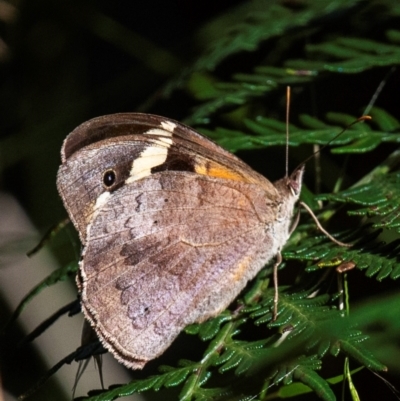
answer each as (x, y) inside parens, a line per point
(276, 293)
(88, 336)
(322, 228)
(295, 223)
(276, 265)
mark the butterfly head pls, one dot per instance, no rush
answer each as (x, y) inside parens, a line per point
(295, 180)
(289, 189)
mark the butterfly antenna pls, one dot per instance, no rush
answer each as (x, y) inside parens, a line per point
(287, 130)
(311, 213)
(379, 90)
(360, 119)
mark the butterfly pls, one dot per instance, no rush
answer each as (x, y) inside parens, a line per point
(172, 226)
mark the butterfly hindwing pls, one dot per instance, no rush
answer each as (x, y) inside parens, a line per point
(175, 244)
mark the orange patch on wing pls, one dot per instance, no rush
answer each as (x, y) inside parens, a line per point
(241, 269)
(215, 170)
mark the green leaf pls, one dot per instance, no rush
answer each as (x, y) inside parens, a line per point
(189, 387)
(360, 138)
(316, 382)
(381, 196)
(210, 328)
(362, 355)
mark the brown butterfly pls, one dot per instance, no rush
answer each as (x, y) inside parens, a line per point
(172, 225)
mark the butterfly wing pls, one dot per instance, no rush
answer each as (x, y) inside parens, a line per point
(167, 251)
(135, 145)
(172, 238)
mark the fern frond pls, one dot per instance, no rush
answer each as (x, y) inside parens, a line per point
(380, 198)
(264, 132)
(355, 54)
(378, 259)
